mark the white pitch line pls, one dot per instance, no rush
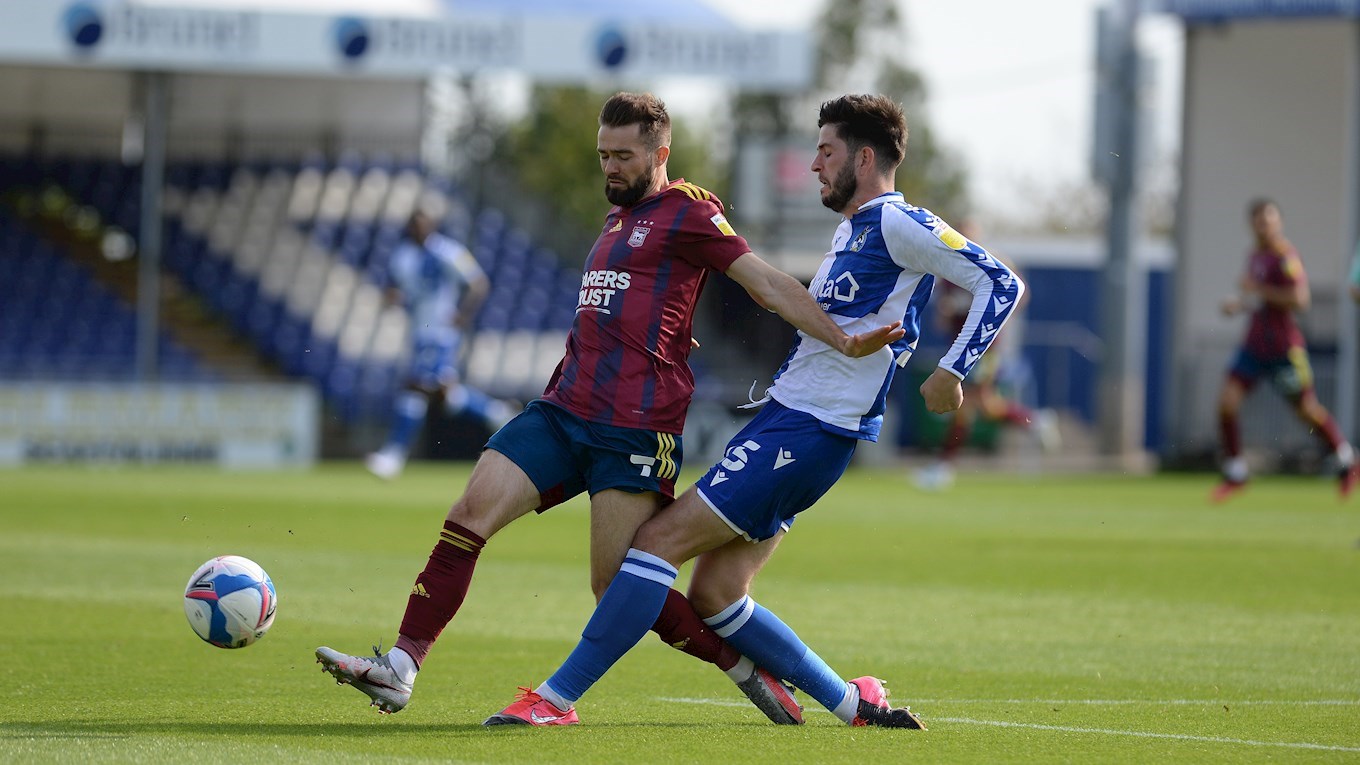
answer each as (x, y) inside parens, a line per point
(1144, 734)
(1153, 702)
(1104, 731)
(1098, 702)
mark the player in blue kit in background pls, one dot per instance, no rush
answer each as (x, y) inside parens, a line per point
(884, 259)
(442, 287)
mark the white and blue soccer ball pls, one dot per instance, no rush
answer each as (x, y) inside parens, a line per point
(230, 601)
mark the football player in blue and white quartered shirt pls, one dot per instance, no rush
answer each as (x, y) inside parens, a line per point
(442, 288)
(885, 257)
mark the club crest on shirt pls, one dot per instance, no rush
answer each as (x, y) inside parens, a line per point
(858, 243)
(639, 236)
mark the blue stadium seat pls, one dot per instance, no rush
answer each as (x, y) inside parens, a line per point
(209, 276)
(495, 316)
(263, 321)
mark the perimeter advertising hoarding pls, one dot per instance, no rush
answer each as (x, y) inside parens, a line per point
(235, 426)
(129, 35)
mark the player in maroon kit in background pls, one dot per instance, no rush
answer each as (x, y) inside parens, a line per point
(1273, 289)
(982, 397)
(611, 418)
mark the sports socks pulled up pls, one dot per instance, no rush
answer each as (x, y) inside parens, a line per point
(439, 590)
(629, 608)
(757, 633)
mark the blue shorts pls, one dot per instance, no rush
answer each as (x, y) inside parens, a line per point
(434, 361)
(1291, 375)
(565, 455)
(779, 465)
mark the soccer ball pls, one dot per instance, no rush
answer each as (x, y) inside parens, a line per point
(230, 601)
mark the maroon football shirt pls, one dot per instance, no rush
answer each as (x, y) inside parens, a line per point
(1273, 330)
(627, 353)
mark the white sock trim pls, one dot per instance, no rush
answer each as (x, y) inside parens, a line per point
(1345, 455)
(553, 697)
(732, 618)
(1235, 469)
(742, 670)
(849, 706)
(403, 665)
(644, 565)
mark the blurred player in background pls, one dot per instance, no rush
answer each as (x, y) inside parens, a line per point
(1273, 288)
(443, 288)
(885, 256)
(611, 418)
(982, 395)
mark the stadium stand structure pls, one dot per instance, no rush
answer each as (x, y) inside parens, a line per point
(59, 322)
(291, 256)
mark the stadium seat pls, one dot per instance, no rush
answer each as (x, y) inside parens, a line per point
(294, 255)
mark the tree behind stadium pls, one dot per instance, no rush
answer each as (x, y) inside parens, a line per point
(549, 154)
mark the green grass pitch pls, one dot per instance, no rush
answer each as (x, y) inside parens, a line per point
(1029, 619)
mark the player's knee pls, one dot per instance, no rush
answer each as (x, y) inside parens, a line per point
(658, 539)
(599, 582)
(461, 513)
(1227, 405)
(478, 514)
(710, 598)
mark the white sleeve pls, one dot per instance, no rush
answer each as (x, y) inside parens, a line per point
(457, 259)
(921, 242)
(401, 269)
(467, 266)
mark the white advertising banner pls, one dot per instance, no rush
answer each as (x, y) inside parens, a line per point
(235, 426)
(129, 35)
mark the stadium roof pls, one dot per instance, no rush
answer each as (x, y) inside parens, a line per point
(548, 40)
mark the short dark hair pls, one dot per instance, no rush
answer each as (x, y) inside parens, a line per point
(642, 109)
(873, 121)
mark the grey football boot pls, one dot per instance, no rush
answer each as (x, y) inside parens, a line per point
(374, 676)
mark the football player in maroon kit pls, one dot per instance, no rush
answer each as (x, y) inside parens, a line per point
(1273, 288)
(611, 418)
(982, 398)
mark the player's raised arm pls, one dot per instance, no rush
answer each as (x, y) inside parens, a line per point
(922, 241)
(787, 297)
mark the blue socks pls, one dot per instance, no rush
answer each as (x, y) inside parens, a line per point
(407, 415)
(631, 605)
(762, 637)
(627, 611)
(462, 399)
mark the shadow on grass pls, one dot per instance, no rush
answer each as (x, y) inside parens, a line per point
(113, 729)
(121, 729)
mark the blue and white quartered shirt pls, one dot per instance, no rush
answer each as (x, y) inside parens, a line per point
(433, 278)
(881, 268)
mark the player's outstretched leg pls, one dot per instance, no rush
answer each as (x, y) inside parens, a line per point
(389, 687)
(682, 628)
(408, 413)
(1234, 478)
(434, 600)
(625, 613)
(759, 634)
(493, 412)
